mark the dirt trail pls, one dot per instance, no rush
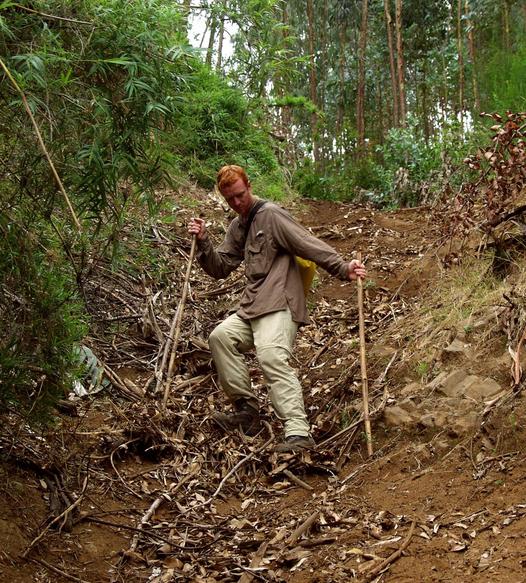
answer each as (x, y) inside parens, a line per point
(455, 500)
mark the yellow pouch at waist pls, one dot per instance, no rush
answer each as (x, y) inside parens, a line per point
(307, 272)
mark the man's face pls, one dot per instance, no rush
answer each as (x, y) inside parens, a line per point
(239, 197)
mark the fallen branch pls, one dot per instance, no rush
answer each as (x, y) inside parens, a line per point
(55, 520)
(126, 387)
(155, 505)
(363, 367)
(356, 423)
(255, 562)
(304, 527)
(58, 571)
(240, 463)
(129, 488)
(175, 329)
(297, 480)
(516, 368)
(391, 558)
(144, 520)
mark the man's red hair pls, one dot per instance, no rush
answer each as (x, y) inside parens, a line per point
(227, 175)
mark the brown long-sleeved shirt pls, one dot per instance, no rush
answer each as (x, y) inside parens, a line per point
(274, 281)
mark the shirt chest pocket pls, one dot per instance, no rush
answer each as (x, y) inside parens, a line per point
(258, 256)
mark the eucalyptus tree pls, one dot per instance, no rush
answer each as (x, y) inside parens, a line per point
(360, 99)
(392, 68)
(498, 51)
(333, 82)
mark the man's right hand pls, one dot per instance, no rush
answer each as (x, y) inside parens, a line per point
(197, 227)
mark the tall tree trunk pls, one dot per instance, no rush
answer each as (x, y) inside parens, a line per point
(506, 24)
(425, 106)
(341, 81)
(392, 70)
(282, 87)
(380, 111)
(460, 64)
(472, 56)
(186, 11)
(211, 41)
(313, 83)
(219, 62)
(360, 98)
(400, 62)
(323, 50)
(445, 95)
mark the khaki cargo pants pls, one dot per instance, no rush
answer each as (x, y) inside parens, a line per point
(272, 335)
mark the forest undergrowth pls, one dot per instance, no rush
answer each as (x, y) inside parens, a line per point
(119, 488)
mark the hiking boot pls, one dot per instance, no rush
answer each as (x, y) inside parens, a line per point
(245, 418)
(295, 443)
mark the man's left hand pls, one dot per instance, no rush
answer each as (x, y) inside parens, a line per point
(356, 270)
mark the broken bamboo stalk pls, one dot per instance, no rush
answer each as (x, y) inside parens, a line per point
(304, 527)
(255, 562)
(42, 144)
(371, 574)
(176, 326)
(363, 367)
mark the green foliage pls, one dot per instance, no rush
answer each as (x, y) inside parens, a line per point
(346, 184)
(311, 184)
(41, 319)
(503, 77)
(422, 369)
(215, 127)
(124, 101)
(407, 148)
(124, 105)
(298, 101)
(412, 165)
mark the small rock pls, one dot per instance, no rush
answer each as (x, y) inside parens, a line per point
(396, 417)
(462, 424)
(411, 389)
(409, 406)
(481, 390)
(451, 385)
(457, 346)
(457, 405)
(438, 381)
(456, 349)
(436, 419)
(382, 350)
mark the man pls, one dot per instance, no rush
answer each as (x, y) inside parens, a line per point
(272, 306)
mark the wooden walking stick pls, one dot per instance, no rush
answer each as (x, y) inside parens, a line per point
(175, 329)
(363, 367)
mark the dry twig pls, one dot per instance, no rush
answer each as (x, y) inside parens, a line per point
(55, 520)
(393, 557)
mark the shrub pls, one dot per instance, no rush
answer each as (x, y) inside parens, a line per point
(41, 320)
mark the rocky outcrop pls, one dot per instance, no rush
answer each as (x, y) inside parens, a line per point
(452, 401)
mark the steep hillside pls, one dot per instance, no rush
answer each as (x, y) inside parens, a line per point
(150, 495)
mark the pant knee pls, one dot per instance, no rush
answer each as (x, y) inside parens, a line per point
(218, 337)
(273, 358)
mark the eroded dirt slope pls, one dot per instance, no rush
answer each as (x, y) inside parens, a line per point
(164, 496)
